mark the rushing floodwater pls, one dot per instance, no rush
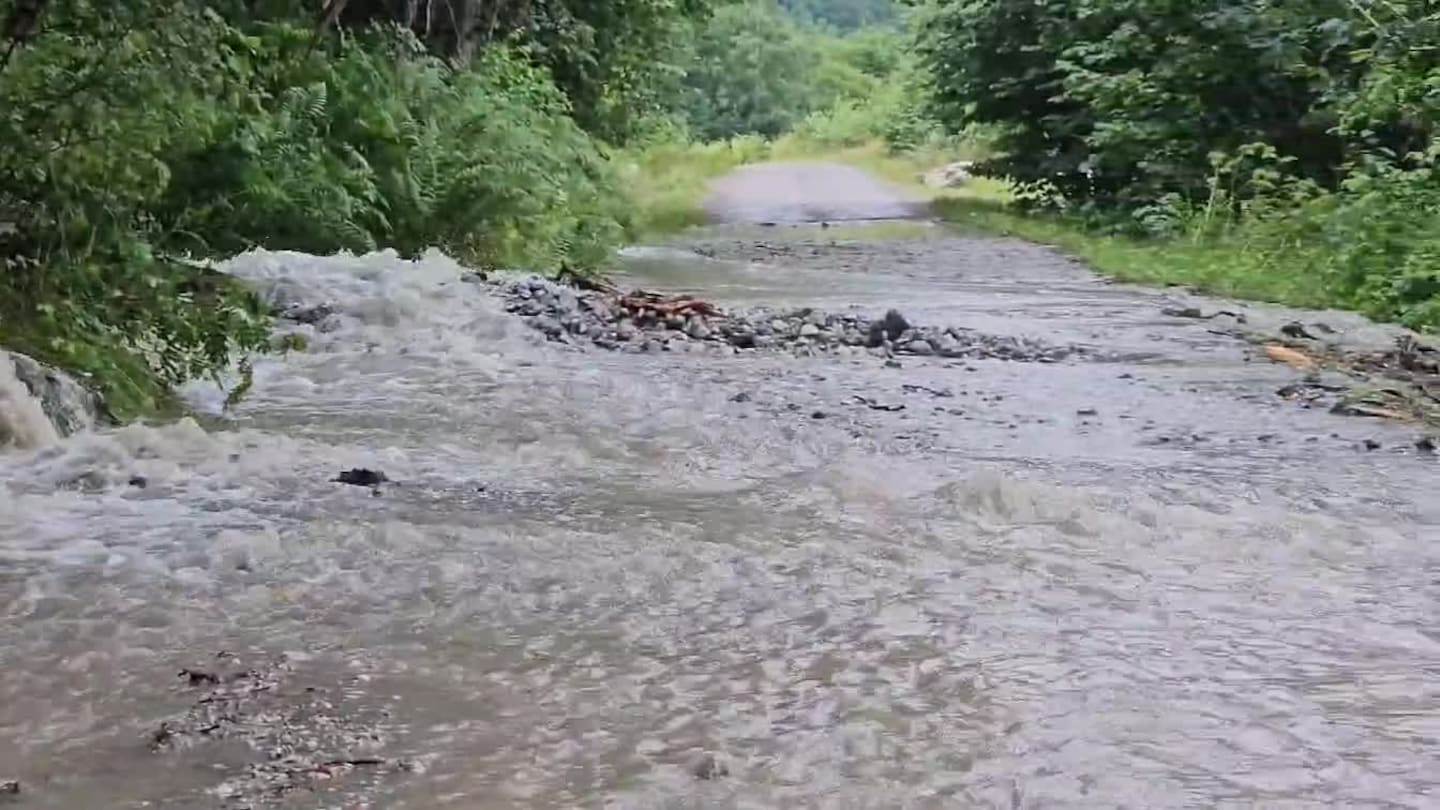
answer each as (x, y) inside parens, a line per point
(595, 568)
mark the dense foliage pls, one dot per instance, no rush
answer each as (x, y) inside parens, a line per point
(145, 136)
(754, 69)
(615, 60)
(1288, 125)
(843, 15)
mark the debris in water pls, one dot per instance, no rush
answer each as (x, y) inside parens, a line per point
(1382, 403)
(1194, 312)
(299, 734)
(878, 406)
(944, 393)
(1087, 412)
(1308, 390)
(1425, 444)
(743, 396)
(1371, 444)
(361, 477)
(1182, 312)
(9, 787)
(1289, 356)
(198, 677)
(1296, 330)
(818, 415)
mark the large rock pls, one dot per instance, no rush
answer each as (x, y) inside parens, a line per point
(39, 403)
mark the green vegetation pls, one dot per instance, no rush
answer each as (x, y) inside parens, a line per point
(145, 138)
(1277, 150)
(843, 15)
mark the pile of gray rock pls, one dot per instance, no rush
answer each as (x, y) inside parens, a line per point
(578, 317)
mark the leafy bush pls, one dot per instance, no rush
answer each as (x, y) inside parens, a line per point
(380, 144)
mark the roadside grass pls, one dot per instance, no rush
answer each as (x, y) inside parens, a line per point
(1228, 267)
(666, 181)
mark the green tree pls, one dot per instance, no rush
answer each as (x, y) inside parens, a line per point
(752, 72)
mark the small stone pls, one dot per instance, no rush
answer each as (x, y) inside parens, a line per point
(550, 326)
(809, 330)
(743, 396)
(1297, 330)
(707, 767)
(10, 787)
(625, 330)
(697, 329)
(920, 347)
(946, 346)
(361, 477)
(1371, 444)
(743, 340)
(1183, 312)
(818, 414)
(311, 314)
(1425, 444)
(138, 481)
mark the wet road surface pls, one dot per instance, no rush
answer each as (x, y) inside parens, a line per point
(1135, 578)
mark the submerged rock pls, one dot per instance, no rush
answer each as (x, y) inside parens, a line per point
(708, 766)
(361, 477)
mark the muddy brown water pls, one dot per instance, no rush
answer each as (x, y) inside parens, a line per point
(1132, 579)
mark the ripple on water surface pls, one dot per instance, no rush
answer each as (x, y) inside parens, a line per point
(598, 581)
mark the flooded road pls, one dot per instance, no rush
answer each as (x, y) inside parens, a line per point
(1132, 578)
